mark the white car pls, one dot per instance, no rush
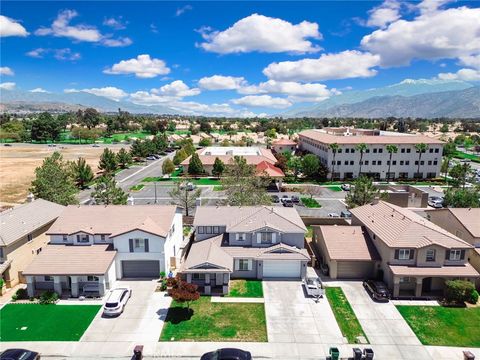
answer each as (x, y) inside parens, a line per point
(333, 215)
(346, 187)
(116, 301)
(435, 202)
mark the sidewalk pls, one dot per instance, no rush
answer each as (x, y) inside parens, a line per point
(221, 299)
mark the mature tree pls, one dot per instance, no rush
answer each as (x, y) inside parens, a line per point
(184, 292)
(108, 193)
(361, 148)
(218, 167)
(45, 127)
(391, 149)
(445, 167)
(151, 126)
(108, 161)
(444, 128)
(461, 174)
(82, 173)
(138, 149)
(124, 159)
(180, 155)
(88, 117)
(171, 126)
(205, 126)
(334, 147)
(295, 165)
(188, 147)
(462, 197)
(249, 141)
(282, 161)
(449, 149)
(53, 181)
(205, 142)
(421, 148)
(195, 166)
(184, 197)
(363, 192)
(168, 167)
(242, 186)
(310, 165)
(311, 190)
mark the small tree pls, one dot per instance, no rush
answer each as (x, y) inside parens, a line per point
(218, 167)
(183, 197)
(334, 147)
(185, 293)
(180, 155)
(205, 142)
(363, 192)
(310, 165)
(108, 193)
(195, 166)
(362, 148)
(312, 190)
(82, 173)
(458, 291)
(108, 161)
(168, 167)
(124, 159)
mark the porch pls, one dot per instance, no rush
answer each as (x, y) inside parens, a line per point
(210, 283)
(68, 286)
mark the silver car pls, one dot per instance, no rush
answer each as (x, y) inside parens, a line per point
(116, 301)
(435, 202)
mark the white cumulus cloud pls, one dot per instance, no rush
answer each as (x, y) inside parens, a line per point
(182, 10)
(177, 89)
(7, 86)
(5, 70)
(116, 23)
(142, 66)
(264, 34)
(220, 82)
(343, 65)
(39, 90)
(266, 101)
(59, 54)
(11, 27)
(462, 74)
(384, 14)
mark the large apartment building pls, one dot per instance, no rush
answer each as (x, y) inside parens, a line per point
(344, 163)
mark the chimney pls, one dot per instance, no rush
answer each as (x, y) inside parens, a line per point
(375, 200)
(30, 197)
(130, 200)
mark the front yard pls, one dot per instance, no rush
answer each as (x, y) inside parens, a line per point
(346, 318)
(245, 288)
(444, 326)
(209, 321)
(35, 322)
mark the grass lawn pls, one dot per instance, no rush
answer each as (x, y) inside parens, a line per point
(209, 321)
(45, 322)
(204, 181)
(462, 155)
(217, 188)
(310, 203)
(246, 288)
(334, 188)
(137, 187)
(346, 319)
(445, 326)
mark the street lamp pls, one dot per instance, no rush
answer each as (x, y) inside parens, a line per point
(155, 185)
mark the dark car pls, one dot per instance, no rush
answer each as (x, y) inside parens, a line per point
(7, 144)
(275, 199)
(287, 203)
(227, 354)
(19, 354)
(295, 199)
(377, 290)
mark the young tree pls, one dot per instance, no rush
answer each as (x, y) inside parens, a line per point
(310, 165)
(218, 167)
(184, 197)
(82, 173)
(45, 127)
(205, 142)
(362, 148)
(180, 155)
(421, 148)
(312, 190)
(462, 198)
(108, 161)
(138, 149)
(184, 292)
(334, 147)
(89, 117)
(195, 167)
(461, 174)
(107, 192)
(295, 165)
(53, 181)
(168, 167)
(363, 192)
(444, 128)
(160, 143)
(124, 159)
(391, 149)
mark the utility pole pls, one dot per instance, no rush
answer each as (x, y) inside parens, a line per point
(155, 185)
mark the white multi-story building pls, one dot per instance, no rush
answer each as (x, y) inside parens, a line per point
(345, 162)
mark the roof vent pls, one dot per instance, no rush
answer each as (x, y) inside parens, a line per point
(130, 200)
(30, 198)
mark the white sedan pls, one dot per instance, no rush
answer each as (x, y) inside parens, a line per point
(116, 301)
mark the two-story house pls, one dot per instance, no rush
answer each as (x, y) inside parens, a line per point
(22, 236)
(92, 246)
(252, 242)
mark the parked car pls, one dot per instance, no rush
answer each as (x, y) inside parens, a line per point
(333, 215)
(151, 158)
(346, 187)
(189, 186)
(324, 269)
(435, 202)
(313, 286)
(116, 301)
(7, 144)
(377, 290)
(295, 199)
(19, 354)
(52, 145)
(465, 161)
(287, 203)
(346, 214)
(284, 197)
(275, 199)
(95, 145)
(227, 354)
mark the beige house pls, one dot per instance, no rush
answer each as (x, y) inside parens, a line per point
(464, 223)
(284, 145)
(22, 236)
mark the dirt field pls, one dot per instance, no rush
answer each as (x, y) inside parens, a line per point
(18, 163)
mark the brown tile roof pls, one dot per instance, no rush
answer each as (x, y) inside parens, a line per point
(469, 217)
(445, 271)
(284, 142)
(269, 169)
(250, 218)
(366, 139)
(208, 252)
(72, 260)
(399, 227)
(114, 219)
(264, 155)
(345, 242)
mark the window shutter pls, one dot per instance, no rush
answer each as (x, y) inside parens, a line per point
(78, 238)
(250, 261)
(146, 245)
(259, 238)
(447, 255)
(236, 236)
(397, 254)
(237, 265)
(412, 253)
(274, 238)
(130, 242)
(462, 255)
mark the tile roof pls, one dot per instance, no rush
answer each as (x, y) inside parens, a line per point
(23, 219)
(208, 252)
(269, 169)
(115, 219)
(72, 260)
(344, 242)
(399, 227)
(469, 217)
(284, 142)
(250, 218)
(454, 271)
(252, 159)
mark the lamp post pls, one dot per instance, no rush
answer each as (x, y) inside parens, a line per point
(155, 185)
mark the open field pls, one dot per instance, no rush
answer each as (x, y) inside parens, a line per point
(18, 163)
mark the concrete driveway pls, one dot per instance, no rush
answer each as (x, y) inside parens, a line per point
(141, 321)
(294, 318)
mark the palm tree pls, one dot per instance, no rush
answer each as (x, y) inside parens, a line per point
(334, 147)
(421, 148)
(361, 147)
(391, 149)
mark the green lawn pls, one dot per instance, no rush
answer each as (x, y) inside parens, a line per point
(218, 188)
(45, 322)
(310, 203)
(346, 319)
(137, 187)
(444, 326)
(334, 188)
(246, 288)
(462, 155)
(156, 179)
(204, 181)
(209, 321)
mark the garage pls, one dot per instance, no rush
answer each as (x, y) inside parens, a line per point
(354, 269)
(282, 269)
(140, 268)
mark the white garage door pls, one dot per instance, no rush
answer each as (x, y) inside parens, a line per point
(281, 269)
(354, 269)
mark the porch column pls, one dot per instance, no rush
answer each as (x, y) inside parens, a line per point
(189, 278)
(418, 287)
(207, 279)
(74, 284)
(396, 286)
(31, 286)
(57, 285)
(101, 285)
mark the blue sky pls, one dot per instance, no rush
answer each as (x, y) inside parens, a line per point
(234, 58)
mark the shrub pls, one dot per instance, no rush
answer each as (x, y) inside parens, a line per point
(48, 297)
(473, 297)
(162, 274)
(1, 283)
(458, 291)
(20, 294)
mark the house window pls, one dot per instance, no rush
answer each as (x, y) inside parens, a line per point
(431, 151)
(430, 255)
(39, 250)
(394, 162)
(401, 162)
(266, 237)
(339, 162)
(351, 162)
(379, 162)
(455, 255)
(375, 151)
(65, 237)
(402, 151)
(216, 230)
(241, 237)
(201, 230)
(138, 245)
(243, 264)
(83, 238)
(366, 162)
(208, 229)
(407, 162)
(404, 254)
(29, 237)
(437, 151)
(374, 162)
(347, 150)
(92, 278)
(409, 150)
(196, 276)
(48, 278)
(346, 162)
(1, 252)
(102, 237)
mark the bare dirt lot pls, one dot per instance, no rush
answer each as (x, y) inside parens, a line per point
(19, 161)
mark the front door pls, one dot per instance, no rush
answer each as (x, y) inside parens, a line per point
(218, 279)
(427, 285)
(69, 282)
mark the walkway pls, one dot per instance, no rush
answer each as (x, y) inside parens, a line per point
(221, 299)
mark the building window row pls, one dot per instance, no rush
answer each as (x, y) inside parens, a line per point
(208, 230)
